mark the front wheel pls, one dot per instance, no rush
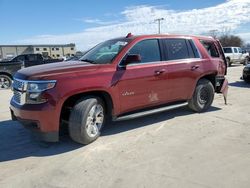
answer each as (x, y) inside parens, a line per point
(86, 120)
(5, 82)
(246, 61)
(228, 62)
(203, 96)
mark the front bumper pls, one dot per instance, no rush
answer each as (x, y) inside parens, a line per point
(42, 119)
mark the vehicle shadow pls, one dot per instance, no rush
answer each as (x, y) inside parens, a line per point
(123, 126)
(241, 84)
(16, 142)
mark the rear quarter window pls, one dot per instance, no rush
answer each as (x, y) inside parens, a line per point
(210, 48)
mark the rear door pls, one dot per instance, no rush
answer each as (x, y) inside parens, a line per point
(143, 84)
(183, 65)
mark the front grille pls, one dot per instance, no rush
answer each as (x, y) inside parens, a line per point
(19, 91)
(17, 96)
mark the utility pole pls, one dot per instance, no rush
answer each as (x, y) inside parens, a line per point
(159, 24)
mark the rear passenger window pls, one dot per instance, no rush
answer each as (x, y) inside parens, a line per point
(177, 49)
(148, 50)
(194, 49)
(211, 48)
(32, 58)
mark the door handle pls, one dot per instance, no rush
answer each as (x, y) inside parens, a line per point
(195, 67)
(158, 72)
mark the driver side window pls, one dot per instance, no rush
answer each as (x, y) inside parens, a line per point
(19, 58)
(148, 50)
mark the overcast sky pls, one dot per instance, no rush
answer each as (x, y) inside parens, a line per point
(87, 23)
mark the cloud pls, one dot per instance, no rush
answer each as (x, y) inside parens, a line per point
(140, 20)
(97, 21)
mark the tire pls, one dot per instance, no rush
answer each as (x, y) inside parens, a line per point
(245, 79)
(246, 60)
(5, 81)
(228, 62)
(203, 96)
(86, 120)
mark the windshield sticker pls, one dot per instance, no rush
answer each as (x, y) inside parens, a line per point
(121, 43)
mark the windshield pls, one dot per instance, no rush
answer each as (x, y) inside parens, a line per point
(105, 52)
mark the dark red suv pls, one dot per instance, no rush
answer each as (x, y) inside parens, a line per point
(122, 78)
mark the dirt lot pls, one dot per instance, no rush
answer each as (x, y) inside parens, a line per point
(171, 149)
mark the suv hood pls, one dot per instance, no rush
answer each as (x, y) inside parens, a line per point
(55, 69)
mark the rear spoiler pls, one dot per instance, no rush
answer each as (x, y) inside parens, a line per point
(222, 54)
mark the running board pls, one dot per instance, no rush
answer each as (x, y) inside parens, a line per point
(150, 112)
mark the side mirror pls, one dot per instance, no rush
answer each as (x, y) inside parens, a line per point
(132, 58)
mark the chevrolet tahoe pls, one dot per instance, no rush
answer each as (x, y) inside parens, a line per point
(119, 79)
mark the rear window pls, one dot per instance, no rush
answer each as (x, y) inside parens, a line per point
(32, 57)
(227, 50)
(211, 48)
(193, 48)
(180, 49)
(176, 49)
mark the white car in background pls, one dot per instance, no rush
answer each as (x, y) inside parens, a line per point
(235, 55)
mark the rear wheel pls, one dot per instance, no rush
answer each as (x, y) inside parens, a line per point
(203, 96)
(86, 120)
(5, 82)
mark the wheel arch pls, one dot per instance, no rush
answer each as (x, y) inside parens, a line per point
(6, 74)
(210, 76)
(72, 100)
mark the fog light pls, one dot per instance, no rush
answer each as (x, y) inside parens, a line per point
(34, 95)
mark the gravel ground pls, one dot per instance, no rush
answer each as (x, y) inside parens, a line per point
(172, 149)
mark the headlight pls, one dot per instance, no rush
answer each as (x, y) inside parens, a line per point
(35, 90)
(40, 86)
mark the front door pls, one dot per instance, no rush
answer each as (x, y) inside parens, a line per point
(142, 84)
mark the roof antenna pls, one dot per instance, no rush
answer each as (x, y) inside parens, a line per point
(129, 35)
